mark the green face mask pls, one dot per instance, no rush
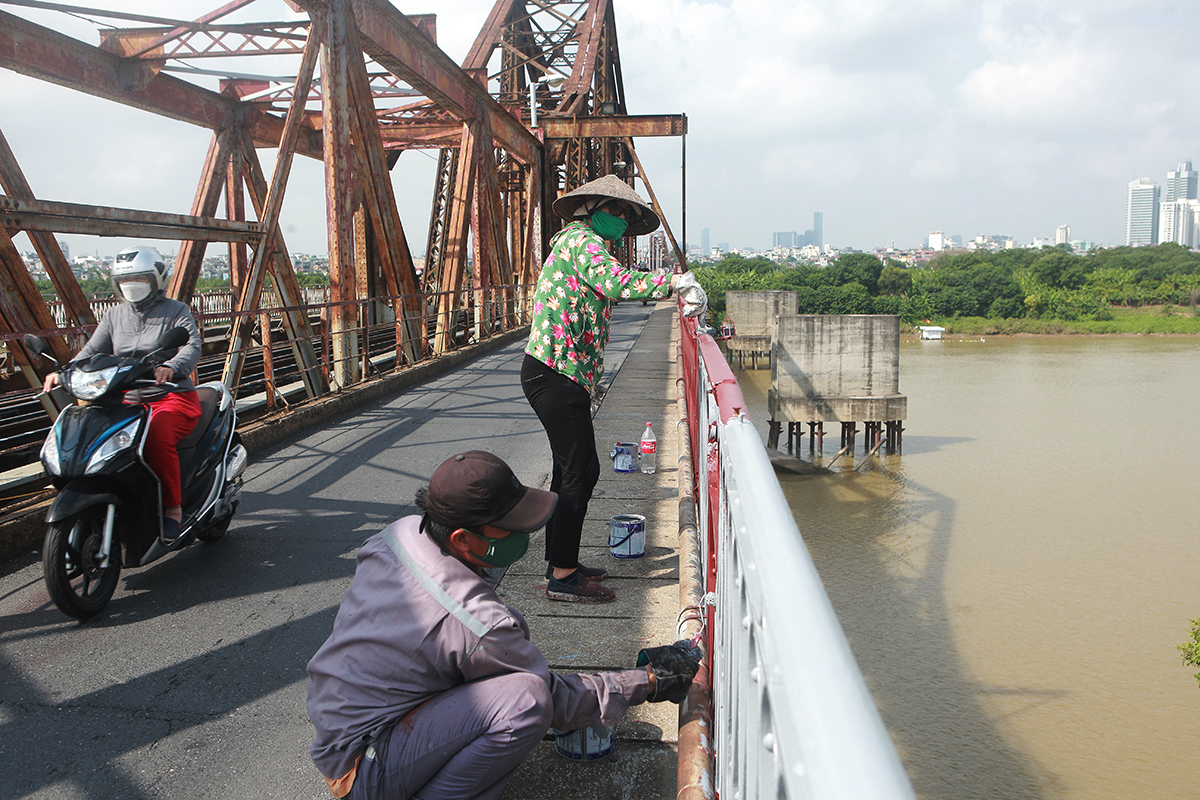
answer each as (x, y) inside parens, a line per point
(503, 552)
(608, 226)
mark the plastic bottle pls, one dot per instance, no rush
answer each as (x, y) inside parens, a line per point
(647, 451)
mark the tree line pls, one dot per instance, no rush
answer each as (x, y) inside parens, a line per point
(1045, 283)
(97, 283)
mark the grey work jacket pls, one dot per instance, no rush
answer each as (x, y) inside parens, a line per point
(409, 631)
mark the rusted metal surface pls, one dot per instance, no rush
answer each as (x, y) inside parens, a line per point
(268, 210)
(695, 768)
(386, 89)
(51, 255)
(615, 127)
(208, 194)
(46, 215)
(395, 43)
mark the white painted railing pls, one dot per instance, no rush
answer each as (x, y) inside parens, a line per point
(791, 715)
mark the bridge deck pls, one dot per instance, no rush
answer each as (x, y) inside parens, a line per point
(192, 683)
(590, 638)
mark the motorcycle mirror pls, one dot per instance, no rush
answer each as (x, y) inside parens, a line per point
(176, 337)
(37, 346)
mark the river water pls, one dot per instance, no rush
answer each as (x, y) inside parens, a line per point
(1015, 583)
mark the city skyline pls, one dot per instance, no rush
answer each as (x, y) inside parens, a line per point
(1010, 117)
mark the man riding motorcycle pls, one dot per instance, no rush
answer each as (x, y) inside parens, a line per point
(134, 329)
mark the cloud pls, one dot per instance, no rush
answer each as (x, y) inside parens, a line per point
(894, 117)
(1058, 89)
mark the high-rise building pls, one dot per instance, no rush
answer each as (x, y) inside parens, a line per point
(1062, 235)
(1183, 183)
(937, 240)
(784, 239)
(704, 245)
(1177, 222)
(818, 229)
(1141, 219)
(657, 253)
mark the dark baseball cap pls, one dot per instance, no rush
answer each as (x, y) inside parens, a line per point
(476, 487)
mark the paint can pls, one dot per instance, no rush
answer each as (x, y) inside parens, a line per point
(585, 744)
(624, 457)
(627, 536)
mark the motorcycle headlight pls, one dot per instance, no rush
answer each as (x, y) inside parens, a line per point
(90, 385)
(50, 453)
(118, 441)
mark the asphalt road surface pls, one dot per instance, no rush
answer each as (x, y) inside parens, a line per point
(191, 684)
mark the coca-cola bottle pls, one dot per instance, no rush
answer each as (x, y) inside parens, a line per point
(647, 451)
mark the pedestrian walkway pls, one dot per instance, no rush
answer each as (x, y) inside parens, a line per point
(589, 638)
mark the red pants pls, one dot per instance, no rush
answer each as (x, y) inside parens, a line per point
(171, 419)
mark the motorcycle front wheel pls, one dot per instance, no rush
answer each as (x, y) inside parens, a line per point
(77, 584)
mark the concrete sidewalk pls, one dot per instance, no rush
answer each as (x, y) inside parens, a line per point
(588, 638)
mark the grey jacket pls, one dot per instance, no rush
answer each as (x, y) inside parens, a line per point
(134, 330)
(409, 630)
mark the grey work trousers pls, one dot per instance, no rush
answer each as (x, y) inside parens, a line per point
(463, 744)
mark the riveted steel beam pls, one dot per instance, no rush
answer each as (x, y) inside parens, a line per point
(41, 53)
(18, 214)
(616, 127)
(76, 304)
(398, 45)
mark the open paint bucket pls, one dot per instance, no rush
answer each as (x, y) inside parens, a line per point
(627, 536)
(624, 457)
(585, 744)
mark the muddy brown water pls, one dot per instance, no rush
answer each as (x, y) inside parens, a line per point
(1014, 584)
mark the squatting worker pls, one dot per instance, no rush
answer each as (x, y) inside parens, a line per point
(564, 360)
(429, 686)
(133, 328)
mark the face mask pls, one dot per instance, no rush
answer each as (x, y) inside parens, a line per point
(608, 226)
(504, 552)
(135, 291)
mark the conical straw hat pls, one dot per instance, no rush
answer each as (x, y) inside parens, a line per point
(614, 187)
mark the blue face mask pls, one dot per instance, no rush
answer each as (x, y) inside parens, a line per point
(608, 226)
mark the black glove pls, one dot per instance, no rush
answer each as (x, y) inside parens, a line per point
(674, 667)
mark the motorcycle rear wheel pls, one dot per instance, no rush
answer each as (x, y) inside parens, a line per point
(76, 582)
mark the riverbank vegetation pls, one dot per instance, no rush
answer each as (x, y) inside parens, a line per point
(1048, 290)
(1191, 650)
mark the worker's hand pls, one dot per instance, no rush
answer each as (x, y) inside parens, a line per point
(674, 667)
(163, 373)
(695, 301)
(50, 382)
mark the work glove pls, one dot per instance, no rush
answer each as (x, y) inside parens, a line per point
(674, 667)
(695, 301)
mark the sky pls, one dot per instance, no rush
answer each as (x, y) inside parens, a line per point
(893, 118)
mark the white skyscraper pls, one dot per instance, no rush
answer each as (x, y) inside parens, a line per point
(1062, 235)
(1177, 222)
(1141, 220)
(1182, 184)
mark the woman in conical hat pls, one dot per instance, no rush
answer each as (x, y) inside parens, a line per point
(564, 361)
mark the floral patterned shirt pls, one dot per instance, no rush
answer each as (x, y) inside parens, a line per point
(572, 305)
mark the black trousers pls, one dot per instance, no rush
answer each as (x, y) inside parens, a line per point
(565, 410)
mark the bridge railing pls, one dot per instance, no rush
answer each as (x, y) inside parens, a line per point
(791, 714)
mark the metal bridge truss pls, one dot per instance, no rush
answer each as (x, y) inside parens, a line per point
(383, 87)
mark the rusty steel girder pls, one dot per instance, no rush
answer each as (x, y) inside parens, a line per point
(386, 88)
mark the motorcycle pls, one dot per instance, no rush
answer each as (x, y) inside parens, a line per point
(109, 511)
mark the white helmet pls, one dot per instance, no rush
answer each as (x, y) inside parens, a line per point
(138, 272)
